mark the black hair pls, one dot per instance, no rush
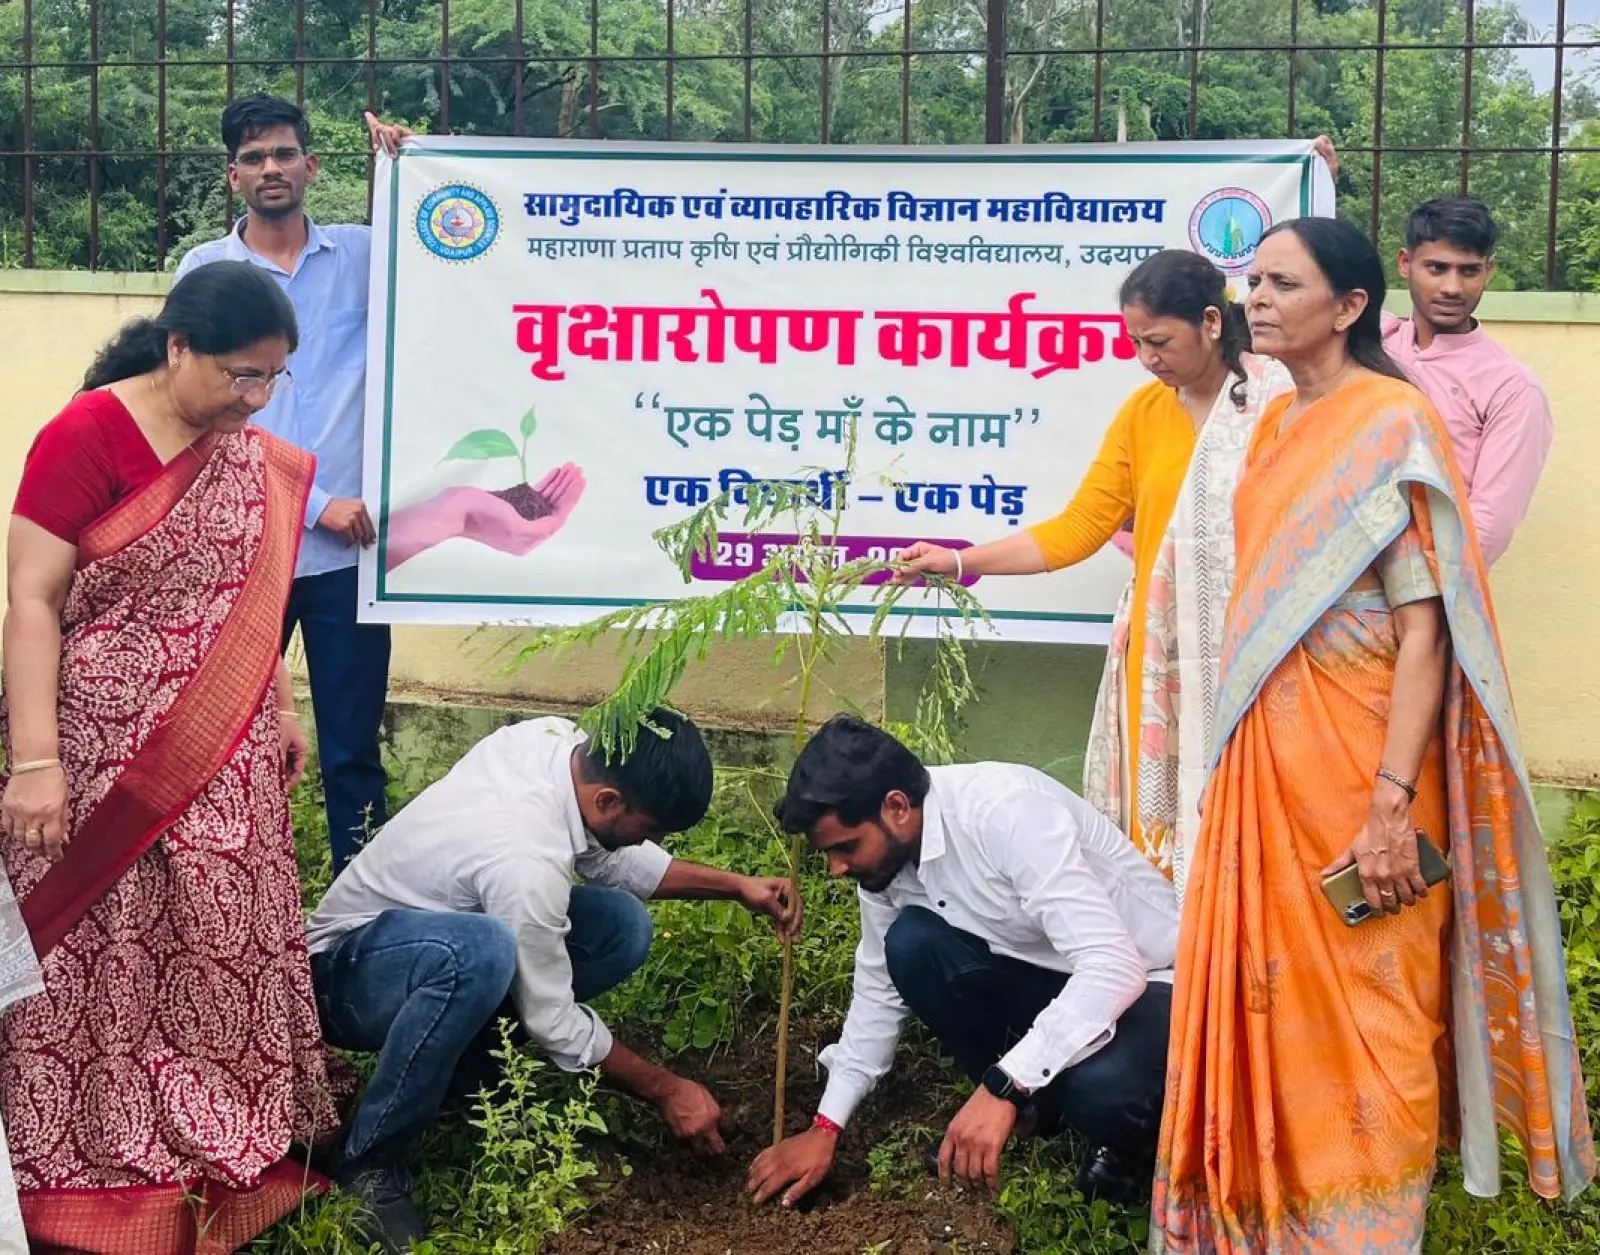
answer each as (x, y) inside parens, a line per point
(221, 307)
(1464, 221)
(667, 776)
(1176, 283)
(1349, 263)
(250, 116)
(847, 769)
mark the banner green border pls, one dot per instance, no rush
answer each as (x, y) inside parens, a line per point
(842, 157)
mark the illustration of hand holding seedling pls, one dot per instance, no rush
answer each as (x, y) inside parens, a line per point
(514, 520)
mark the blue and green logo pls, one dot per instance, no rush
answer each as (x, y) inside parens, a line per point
(1227, 227)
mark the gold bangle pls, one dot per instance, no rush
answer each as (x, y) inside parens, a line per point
(39, 764)
(288, 712)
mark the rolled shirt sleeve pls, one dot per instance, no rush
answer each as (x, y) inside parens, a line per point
(635, 869)
(531, 894)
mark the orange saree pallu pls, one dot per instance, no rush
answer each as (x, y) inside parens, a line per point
(153, 1090)
(1314, 1065)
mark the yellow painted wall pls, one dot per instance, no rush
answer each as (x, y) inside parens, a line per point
(1547, 592)
(49, 336)
(1547, 587)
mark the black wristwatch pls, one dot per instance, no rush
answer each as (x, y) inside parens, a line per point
(999, 1083)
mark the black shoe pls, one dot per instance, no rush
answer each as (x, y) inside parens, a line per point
(1117, 1178)
(387, 1216)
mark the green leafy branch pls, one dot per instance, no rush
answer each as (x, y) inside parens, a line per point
(489, 444)
(806, 587)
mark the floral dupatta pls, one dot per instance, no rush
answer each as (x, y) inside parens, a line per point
(1184, 610)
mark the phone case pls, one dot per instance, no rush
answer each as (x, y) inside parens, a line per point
(1343, 888)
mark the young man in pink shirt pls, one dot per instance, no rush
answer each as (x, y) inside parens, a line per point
(1495, 411)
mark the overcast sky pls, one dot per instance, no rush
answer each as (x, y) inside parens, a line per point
(1542, 13)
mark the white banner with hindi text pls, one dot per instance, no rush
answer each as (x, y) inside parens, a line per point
(572, 345)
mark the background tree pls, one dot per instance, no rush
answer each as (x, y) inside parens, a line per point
(621, 93)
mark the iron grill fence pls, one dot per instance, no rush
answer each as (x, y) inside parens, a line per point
(108, 108)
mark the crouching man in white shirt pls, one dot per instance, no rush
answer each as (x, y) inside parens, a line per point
(467, 896)
(1021, 927)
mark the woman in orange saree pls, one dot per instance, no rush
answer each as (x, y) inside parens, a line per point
(1363, 697)
(153, 1090)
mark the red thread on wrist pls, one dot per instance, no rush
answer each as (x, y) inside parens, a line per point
(820, 1121)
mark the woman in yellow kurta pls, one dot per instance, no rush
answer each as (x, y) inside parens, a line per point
(1194, 340)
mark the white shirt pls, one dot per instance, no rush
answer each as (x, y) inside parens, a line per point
(1022, 862)
(500, 835)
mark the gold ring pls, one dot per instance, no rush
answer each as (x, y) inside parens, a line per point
(35, 832)
(1386, 894)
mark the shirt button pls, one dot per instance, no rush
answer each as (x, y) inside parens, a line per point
(941, 904)
(1047, 1071)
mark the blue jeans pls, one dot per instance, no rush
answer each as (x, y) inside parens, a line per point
(425, 988)
(978, 1003)
(349, 667)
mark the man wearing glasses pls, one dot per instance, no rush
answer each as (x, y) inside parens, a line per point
(318, 406)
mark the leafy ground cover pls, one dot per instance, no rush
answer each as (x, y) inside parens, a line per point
(549, 1164)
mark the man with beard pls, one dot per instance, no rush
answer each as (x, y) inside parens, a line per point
(323, 269)
(1493, 408)
(463, 909)
(1020, 926)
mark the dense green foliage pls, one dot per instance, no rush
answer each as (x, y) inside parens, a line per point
(1049, 98)
(714, 970)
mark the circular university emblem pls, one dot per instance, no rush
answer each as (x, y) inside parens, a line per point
(1227, 226)
(457, 222)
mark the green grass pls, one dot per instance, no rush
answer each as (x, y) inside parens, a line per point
(516, 1171)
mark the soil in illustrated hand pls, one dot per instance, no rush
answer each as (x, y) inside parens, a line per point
(527, 501)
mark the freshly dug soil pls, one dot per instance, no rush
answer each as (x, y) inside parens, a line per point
(527, 501)
(679, 1203)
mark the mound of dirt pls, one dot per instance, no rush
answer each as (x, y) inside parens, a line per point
(676, 1202)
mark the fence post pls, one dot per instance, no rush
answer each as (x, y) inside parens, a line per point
(994, 95)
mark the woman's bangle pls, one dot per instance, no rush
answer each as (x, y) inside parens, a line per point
(39, 764)
(959, 565)
(1405, 786)
(288, 712)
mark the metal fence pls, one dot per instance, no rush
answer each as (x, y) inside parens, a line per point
(996, 47)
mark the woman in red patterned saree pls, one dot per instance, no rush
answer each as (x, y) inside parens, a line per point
(152, 1092)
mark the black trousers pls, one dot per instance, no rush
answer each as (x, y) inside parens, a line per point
(978, 1004)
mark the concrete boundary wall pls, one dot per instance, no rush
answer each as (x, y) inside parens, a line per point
(1036, 699)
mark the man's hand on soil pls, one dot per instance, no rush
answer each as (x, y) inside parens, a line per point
(348, 517)
(693, 1115)
(975, 1139)
(774, 896)
(796, 1165)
